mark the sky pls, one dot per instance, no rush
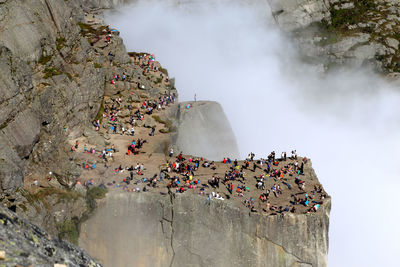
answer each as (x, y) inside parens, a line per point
(346, 121)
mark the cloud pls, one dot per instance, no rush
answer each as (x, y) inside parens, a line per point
(346, 122)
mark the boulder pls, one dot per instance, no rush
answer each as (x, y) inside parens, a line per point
(133, 98)
(149, 122)
(124, 113)
(204, 130)
(392, 43)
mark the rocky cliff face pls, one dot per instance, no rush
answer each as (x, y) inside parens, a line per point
(26, 244)
(49, 88)
(204, 129)
(181, 230)
(52, 82)
(100, 4)
(337, 32)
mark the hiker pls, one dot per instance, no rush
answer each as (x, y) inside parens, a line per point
(209, 199)
(294, 154)
(254, 167)
(153, 129)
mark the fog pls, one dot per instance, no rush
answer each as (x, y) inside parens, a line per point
(347, 122)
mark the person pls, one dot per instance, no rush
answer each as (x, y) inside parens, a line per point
(171, 152)
(209, 199)
(153, 129)
(195, 98)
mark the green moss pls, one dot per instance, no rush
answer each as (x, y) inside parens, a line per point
(164, 131)
(68, 75)
(69, 230)
(50, 72)
(34, 238)
(4, 125)
(60, 42)
(169, 127)
(158, 119)
(61, 194)
(100, 113)
(97, 65)
(396, 35)
(96, 193)
(341, 18)
(44, 59)
(158, 80)
(42, 194)
(88, 30)
(23, 207)
(91, 195)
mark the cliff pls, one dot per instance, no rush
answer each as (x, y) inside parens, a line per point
(180, 230)
(343, 32)
(26, 244)
(57, 75)
(53, 72)
(50, 87)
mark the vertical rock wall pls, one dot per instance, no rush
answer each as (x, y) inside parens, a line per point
(181, 230)
(51, 86)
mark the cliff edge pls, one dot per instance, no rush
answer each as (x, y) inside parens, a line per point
(80, 116)
(181, 230)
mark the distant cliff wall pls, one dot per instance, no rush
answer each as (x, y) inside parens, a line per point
(204, 130)
(149, 229)
(343, 32)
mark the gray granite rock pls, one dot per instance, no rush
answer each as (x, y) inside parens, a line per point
(26, 244)
(204, 130)
(180, 230)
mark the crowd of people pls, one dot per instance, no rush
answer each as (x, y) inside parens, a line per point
(268, 184)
